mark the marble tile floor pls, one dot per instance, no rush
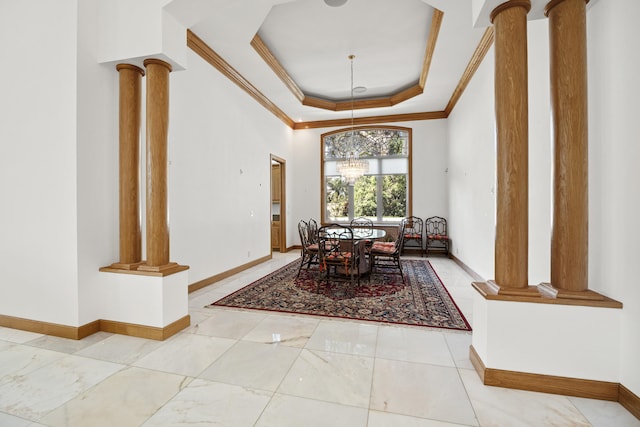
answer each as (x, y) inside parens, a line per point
(245, 368)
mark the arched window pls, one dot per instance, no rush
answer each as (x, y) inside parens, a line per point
(383, 194)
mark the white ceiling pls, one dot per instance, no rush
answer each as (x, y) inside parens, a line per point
(312, 41)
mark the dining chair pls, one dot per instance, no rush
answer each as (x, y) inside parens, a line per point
(309, 250)
(364, 224)
(385, 255)
(413, 231)
(313, 230)
(339, 252)
(436, 233)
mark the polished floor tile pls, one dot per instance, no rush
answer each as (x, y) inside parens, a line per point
(255, 368)
(421, 390)
(226, 323)
(292, 411)
(330, 377)
(413, 345)
(17, 336)
(127, 398)
(496, 406)
(186, 354)
(38, 392)
(386, 419)
(205, 403)
(345, 337)
(601, 413)
(254, 365)
(120, 349)
(293, 331)
(18, 360)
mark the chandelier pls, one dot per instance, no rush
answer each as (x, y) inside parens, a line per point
(351, 167)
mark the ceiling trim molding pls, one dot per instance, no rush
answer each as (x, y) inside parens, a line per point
(427, 115)
(203, 50)
(258, 44)
(476, 59)
(263, 50)
(196, 44)
(434, 30)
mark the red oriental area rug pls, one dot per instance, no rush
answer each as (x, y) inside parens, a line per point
(421, 301)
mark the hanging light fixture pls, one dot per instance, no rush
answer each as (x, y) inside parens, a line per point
(351, 167)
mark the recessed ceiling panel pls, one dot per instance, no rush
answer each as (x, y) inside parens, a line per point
(312, 42)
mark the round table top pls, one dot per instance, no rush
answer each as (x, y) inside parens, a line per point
(363, 233)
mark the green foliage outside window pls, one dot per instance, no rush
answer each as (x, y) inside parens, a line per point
(375, 145)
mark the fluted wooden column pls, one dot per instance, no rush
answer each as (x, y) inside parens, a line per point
(130, 78)
(568, 62)
(156, 175)
(511, 104)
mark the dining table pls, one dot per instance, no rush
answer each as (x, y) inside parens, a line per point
(361, 235)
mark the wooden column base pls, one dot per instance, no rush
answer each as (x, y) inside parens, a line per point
(158, 268)
(550, 291)
(125, 266)
(544, 293)
(143, 269)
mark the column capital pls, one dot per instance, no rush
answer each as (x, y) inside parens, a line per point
(526, 4)
(130, 67)
(554, 3)
(156, 61)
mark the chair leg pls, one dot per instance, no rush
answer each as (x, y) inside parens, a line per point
(301, 264)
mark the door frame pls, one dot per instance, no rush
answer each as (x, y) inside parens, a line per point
(283, 201)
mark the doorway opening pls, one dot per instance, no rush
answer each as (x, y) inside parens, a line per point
(278, 204)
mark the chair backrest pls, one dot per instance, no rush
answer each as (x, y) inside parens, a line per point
(436, 226)
(400, 238)
(335, 240)
(361, 222)
(363, 225)
(303, 231)
(413, 225)
(313, 230)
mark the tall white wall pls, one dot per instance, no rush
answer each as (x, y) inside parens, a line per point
(97, 165)
(38, 178)
(472, 163)
(430, 191)
(614, 150)
(220, 141)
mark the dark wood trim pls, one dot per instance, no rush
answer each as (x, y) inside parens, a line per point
(554, 3)
(283, 201)
(80, 332)
(258, 44)
(477, 362)
(434, 30)
(47, 328)
(135, 269)
(526, 4)
(467, 269)
(552, 384)
(220, 276)
(88, 329)
(205, 52)
(629, 400)
(144, 331)
(531, 294)
(372, 120)
(476, 59)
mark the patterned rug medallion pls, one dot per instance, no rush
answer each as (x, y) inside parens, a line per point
(422, 300)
